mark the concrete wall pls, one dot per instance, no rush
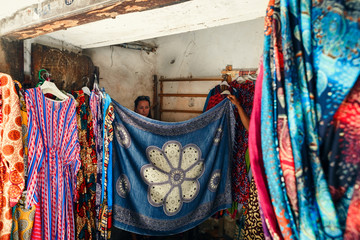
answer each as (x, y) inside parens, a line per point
(124, 73)
(205, 53)
(12, 59)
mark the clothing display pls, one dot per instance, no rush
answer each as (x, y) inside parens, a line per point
(11, 154)
(105, 216)
(244, 92)
(85, 213)
(96, 111)
(23, 220)
(309, 69)
(54, 160)
(169, 177)
(274, 155)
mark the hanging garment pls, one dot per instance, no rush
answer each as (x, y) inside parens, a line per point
(11, 154)
(85, 213)
(310, 65)
(169, 177)
(253, 225)
(23, 220)
(341, 162)
(105, 216)
(54, 160)
(24, 129)
(244, 92)
(97, 113)
(257, 163)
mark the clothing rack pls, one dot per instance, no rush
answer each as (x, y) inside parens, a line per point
(163, 95)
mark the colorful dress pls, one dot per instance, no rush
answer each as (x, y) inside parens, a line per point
(11, 154)
(54, 160)
(97, 121)
(86, 178)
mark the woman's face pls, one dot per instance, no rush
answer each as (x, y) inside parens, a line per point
(143, 108)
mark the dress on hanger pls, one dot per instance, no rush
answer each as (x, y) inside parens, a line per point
(11, 153)
(85, 212)
(54, 160)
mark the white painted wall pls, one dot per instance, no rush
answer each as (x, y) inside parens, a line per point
(205, 53)
(124, 73)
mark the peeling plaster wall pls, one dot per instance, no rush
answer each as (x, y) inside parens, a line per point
(124, 73)
(205, 53)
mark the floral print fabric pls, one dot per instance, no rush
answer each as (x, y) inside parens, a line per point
(11, 154)
(309, 68)
(85, 213)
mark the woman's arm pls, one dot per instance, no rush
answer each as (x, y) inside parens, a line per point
(244, 118)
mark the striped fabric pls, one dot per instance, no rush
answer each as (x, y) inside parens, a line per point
(54, 160)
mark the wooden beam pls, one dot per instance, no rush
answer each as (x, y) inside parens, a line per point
(53, 15)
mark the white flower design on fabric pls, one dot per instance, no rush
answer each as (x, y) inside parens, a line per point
(218, 136)
(172, 175)
(122, 135)
(214, 180)
(123, 185)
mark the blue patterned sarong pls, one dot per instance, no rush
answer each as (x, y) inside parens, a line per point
(170, 177)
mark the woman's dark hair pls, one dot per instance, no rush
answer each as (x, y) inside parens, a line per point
(143, 98)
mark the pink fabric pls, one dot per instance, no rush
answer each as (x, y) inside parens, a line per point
(256, 160)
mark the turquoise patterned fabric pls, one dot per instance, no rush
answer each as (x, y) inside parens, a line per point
(311, 62)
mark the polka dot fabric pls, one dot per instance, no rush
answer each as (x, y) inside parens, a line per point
(11, 154)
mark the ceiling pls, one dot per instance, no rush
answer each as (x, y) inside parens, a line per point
(141, 25)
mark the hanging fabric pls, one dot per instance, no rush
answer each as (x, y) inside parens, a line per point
(105, 215)
(309, 68)
(11, 154)
(23, 220)
(85, 213)
(96, 111)
(257, 163)
(54, 160)
(244, 92)
(169, 177)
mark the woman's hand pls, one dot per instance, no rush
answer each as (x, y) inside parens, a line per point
(234, 100)
(244, 118)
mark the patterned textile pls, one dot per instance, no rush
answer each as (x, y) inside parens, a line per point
(85, 213)
(257, 163)
(310, 64)
(23, 220)
(169, 177)
(244, 92)
(11, 154)
(96, 111)
(54, 160)
(105, 217)
(253, 226)
(343, 168)
(24, 129)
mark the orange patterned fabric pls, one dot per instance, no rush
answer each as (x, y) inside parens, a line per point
(11, 154)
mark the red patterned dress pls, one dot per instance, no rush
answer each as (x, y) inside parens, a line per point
(11, 154)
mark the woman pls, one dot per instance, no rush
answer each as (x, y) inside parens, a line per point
(142, 106)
